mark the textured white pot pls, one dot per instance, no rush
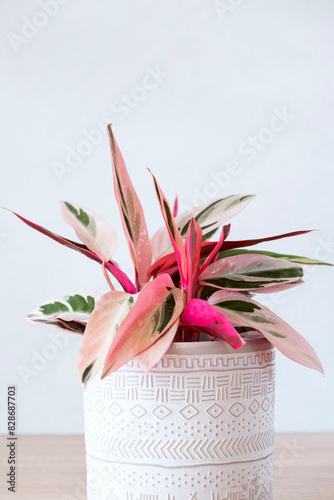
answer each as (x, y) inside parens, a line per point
(198, 426)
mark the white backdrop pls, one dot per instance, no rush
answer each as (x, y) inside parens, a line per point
(216, 97)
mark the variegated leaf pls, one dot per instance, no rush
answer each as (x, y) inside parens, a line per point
(244, 311)
(91, 229)
(210, 216)
(291, 258)
(258, 273)
(193, 253)
(69, 326)
(151, 356)
(68, 312)
(167, 261)
(132, 214)
(101, 329)
(174, 233)
(158, 307)
(214, 254)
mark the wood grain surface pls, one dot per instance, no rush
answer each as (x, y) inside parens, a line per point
(53, 467)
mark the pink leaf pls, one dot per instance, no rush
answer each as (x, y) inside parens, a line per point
(149, 358)
(101, 329)
(208, 246)
(215, 251)
(176, 207)
(111, 266)
(158, 306)
(162, 265)
(121, 277)
(173, 232)
(202, 317)
(193, 251)
(243, 311)
(228, 245)
(168, 260)
(132, 214)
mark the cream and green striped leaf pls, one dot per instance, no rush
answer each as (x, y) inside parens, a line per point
(258, 273)
(210, 216)
(68, 312)
(291, 258)
(97, 234)
(158, 306)
(243, 311)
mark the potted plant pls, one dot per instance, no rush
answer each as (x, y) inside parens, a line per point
(178, 366)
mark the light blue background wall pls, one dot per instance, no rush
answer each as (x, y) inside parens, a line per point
(221, 72)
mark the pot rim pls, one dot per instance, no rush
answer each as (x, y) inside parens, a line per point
(217, 347)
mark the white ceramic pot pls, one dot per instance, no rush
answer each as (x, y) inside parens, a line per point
(198, 426)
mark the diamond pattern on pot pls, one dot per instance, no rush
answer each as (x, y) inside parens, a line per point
(115, 409)
(138, 411)
(99, 406)
(188, 412)
(254, 406)
(161, 412)
(265, 404)
(214, 410)
(236, 409)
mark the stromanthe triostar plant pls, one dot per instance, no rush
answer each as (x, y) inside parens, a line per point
(185, 284)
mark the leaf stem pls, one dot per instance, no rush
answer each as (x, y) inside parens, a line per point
(106, 275)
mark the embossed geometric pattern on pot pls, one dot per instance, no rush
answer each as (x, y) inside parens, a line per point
(200, 425)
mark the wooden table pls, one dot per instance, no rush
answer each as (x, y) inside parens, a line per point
(53, 467)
